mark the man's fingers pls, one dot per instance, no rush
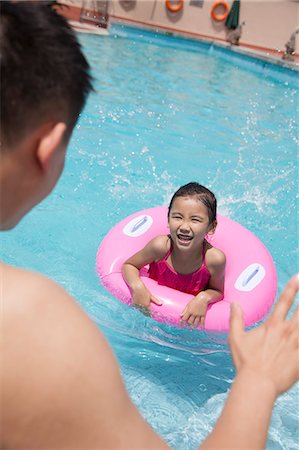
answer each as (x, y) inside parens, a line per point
(295, 316)
(285, 301)
(236, 322)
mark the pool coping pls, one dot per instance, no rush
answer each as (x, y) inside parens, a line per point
(260, 53)
(83, 27)
(243, 49)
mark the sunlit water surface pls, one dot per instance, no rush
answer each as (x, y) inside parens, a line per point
(166, 112)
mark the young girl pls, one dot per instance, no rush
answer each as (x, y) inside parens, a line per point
(183, 260)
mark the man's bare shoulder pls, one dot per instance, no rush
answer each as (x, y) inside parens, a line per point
(61, 383)
(34, 304)
(24, 290)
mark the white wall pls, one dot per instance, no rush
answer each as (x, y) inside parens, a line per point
(269, 23)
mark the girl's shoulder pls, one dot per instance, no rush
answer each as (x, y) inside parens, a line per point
(160, 246)
(215, 258)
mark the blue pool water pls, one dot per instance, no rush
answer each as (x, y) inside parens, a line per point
(165, 112)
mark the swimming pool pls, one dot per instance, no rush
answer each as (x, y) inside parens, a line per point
(165, 112)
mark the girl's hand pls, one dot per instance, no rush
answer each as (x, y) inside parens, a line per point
(271, 350)
(195, 311)
(142, 298)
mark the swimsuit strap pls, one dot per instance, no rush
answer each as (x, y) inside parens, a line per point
(203, 254)
(168, 251)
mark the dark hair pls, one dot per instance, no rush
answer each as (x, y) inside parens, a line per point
(203, 195)
(44, 75)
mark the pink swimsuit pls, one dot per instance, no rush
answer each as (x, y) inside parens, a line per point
(191, 283)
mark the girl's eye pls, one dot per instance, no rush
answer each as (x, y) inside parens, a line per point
(196, 220)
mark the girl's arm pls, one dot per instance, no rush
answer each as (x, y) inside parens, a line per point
(154, 250)
(195, 311)
(215, 260)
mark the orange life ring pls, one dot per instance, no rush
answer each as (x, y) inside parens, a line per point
(219, 17)
(174, 7)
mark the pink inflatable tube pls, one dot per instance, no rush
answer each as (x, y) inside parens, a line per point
(250, 273)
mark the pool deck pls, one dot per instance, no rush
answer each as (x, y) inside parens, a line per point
(264, 54)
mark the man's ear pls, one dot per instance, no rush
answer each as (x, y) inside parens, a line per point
(49, 143)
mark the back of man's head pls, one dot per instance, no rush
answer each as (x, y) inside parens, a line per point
(44, 75)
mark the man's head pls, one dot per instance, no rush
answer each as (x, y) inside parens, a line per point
(44, 84)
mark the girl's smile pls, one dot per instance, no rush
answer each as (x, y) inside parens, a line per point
(184, 239)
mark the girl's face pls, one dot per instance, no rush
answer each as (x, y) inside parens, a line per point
(188, 222)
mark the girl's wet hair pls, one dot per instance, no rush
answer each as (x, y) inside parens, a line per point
(202, 194)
